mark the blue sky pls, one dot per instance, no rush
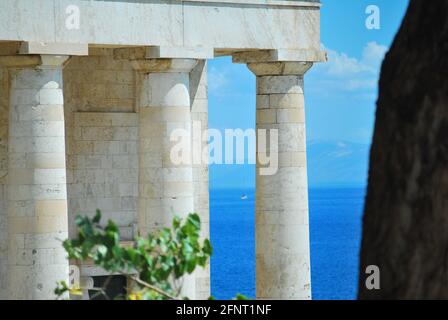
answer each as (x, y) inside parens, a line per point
(340, 94)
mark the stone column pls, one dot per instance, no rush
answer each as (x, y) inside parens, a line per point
(37, 196)
(166, 173)
(199, 115)
(282, 228)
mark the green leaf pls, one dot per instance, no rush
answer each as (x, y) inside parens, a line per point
(208, 247)
(102, 250)
(191, 265)
(97, 217)
(176, 222)
(195, 220)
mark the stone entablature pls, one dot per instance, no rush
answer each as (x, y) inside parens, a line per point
(203, 28)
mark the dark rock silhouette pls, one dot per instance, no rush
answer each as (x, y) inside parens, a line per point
(405, 225)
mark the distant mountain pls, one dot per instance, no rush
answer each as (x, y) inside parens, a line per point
(337, 163)
(330, 164)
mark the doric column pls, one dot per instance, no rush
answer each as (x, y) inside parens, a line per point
(165, 135)
(37, 196)
(282, 229)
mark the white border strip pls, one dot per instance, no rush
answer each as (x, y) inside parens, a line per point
(262, 2)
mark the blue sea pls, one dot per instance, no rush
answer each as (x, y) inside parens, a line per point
(335, 235)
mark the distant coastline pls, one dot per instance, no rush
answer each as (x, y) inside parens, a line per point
(331, 164)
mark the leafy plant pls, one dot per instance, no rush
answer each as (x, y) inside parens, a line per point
(155, 264)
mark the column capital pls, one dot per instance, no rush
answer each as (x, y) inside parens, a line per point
(164, 65)
(279, 61)
(143, 62)
(279, 68)
(33, 61)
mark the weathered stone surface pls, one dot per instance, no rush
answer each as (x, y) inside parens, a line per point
(4, 116)
(264, 68)
(282, 230)
(199, 112)
(99, 83)
(37, 195)
(107, 147)
(166, 188)
(205, 25)
(405, 217)
(54, 48)
(12, 61)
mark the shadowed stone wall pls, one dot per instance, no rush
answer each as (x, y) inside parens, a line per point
(104, 172)
(102, 133)
(4, 111)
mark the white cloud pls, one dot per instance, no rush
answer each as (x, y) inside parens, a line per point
(340, 64)
(346, 73)
(356, 84)
(373, 54)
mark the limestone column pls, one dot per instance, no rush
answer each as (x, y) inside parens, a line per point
(166, 172)
(282, 228)
(37, 196)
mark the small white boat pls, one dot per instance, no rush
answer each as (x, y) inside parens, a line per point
(244, 197)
